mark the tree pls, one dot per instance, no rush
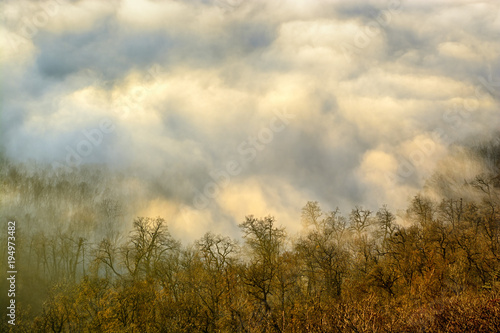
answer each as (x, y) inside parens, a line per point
(150, 242)
(323, 251)
(216, 285)
(265, 243)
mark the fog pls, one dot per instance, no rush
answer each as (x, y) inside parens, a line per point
(208, 111)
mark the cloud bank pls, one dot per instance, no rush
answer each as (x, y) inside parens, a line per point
(225, 108)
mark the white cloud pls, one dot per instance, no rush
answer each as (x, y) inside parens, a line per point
(222, 75)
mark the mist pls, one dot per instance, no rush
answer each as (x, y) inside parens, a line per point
(208, 111)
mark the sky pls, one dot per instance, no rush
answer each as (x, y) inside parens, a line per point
(218, 109)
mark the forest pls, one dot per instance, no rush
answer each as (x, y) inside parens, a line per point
(84, 266)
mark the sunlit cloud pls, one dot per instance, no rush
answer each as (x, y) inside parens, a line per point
(187, 85)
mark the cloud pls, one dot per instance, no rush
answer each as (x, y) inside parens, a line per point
(188, 85)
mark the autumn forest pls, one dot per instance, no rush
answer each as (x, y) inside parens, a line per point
(433, 267)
